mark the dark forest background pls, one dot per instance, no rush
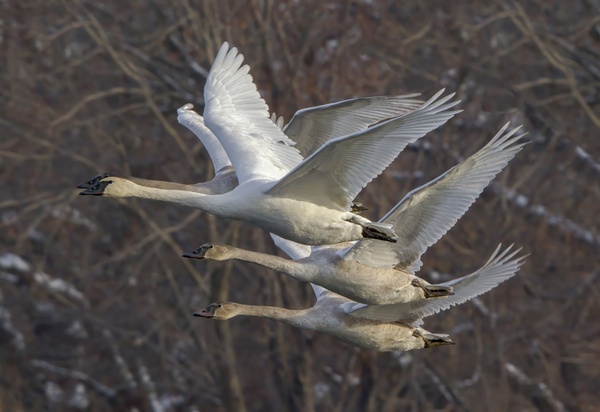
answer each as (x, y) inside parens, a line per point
(96, 302)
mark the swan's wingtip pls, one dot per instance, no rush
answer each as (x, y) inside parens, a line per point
(186, 107)
(224, 46)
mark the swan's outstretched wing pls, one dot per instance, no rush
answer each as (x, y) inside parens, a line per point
(297, 251)
(312, 127)
(334, 174)
(427, 213)
(195, 123)
(500, 267)
(239, 118)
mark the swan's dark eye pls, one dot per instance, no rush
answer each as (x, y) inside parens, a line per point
(219, 305)
(195, 252)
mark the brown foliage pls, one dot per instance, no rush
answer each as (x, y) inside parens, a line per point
(93, 86)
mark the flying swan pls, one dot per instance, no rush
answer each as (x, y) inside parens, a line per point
(307, 201)
(309, 128)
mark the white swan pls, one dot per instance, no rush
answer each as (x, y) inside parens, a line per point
(321, 122)
(381, 328)
(380, 273)
(308, 203)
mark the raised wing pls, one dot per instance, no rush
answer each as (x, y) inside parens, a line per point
(195, 123)
(334, 174)
(427, 213)
(239, 118)
(500, 267)
(312, 127)
(297, 251)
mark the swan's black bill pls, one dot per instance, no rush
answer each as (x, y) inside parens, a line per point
(204, 314)
(95, 190)
(199, 253)
(209, 311)
(94, 181)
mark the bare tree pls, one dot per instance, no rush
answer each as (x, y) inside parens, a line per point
(95, 301)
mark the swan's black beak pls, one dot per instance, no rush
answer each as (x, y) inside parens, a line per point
(192, 255)
(93, 181)
(204, 313)
(95, 190)
(209, 311)
(199, 253)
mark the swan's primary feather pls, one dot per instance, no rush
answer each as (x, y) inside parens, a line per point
(312, 127)
(341, 168)
(278, 121)
(500, 267)
(239, 117)
(428, 212)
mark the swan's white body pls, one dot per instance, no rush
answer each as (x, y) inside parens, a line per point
(379, 273)
(306, 201)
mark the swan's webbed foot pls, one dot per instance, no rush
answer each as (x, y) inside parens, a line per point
(372, 233)
(433, 291)
(373, 230)
(433, 339)
(358, 208)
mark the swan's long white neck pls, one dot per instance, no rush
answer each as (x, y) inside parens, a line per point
(300, 271)
(299, 318)
(166, 192)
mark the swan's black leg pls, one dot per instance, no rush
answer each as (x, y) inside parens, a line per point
(433, 291)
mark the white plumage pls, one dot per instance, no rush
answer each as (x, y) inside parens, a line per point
(309, 204)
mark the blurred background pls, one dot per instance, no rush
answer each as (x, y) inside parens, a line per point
(96, 302)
